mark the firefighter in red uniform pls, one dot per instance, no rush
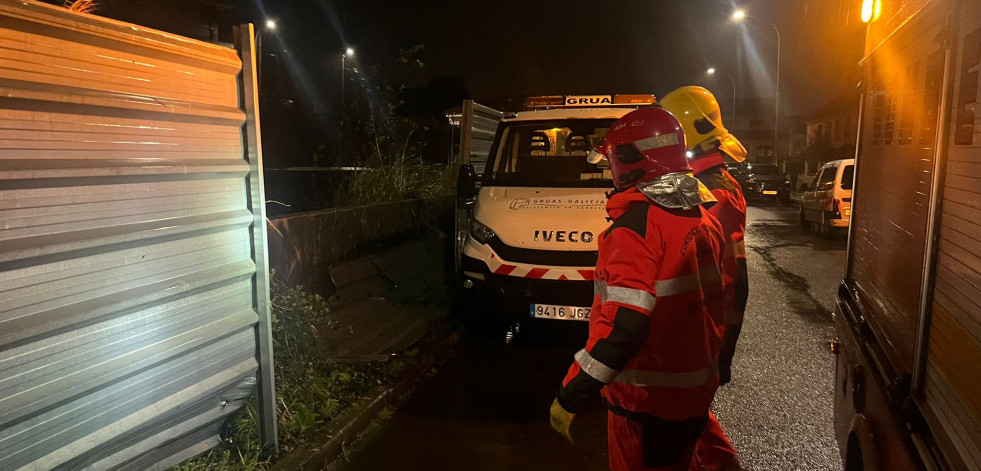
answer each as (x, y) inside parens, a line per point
(709, 142)
(659, 304)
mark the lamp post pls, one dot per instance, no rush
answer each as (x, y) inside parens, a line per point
(347, 52)
(271, 26)
(738, 16)
(710, 72)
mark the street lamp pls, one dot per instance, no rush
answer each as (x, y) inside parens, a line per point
(710, 72)
(738, 16)
(349, 52)
(271, 26)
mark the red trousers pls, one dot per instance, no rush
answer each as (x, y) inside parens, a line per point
(714, 451)
(648, 443)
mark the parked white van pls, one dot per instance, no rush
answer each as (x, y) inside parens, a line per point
(827, 205)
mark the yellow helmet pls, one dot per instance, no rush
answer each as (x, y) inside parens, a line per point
(698, 111)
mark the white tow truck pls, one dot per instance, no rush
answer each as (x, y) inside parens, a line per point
(527, 245)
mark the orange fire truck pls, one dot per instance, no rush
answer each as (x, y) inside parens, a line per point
(908, 315)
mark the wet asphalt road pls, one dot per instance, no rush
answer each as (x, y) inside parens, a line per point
(486, 408)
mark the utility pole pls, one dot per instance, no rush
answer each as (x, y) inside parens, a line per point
(347, 52)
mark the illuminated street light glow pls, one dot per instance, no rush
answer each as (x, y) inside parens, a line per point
(349, 52)
(871, 9)
(271, 24)
(710, 71)
(738, 16)
(866, 11)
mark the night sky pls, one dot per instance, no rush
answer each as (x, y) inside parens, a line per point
(524, 47)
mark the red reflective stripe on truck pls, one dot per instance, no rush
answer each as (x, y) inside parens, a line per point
(505, 269)
(587, 274)
(536, 273)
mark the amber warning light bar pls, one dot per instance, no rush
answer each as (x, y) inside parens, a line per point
(578, 101)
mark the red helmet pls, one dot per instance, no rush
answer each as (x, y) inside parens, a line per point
(644, 145)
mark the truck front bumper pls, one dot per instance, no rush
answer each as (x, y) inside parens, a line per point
(509, 298)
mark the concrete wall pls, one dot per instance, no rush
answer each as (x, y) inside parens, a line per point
(304, 247)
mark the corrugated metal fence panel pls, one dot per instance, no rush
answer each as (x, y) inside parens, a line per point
(127, 296)
(482, 123)
(953, 374)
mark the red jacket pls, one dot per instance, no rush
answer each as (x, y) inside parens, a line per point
(658, 313)
(730, 210)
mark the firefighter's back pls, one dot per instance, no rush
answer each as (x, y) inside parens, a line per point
(674, 374)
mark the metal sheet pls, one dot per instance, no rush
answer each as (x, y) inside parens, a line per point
(952, 384)
(133, 296)
(479, 125)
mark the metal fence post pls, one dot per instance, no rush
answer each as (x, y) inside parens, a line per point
(249, 102)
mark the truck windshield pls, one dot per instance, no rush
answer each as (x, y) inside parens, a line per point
(549, 153)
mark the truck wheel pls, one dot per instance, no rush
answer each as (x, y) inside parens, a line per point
(826, 230)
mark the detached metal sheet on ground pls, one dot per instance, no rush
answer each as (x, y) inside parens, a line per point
(385, 303)
(128, 285)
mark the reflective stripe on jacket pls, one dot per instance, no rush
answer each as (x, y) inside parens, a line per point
(658, 312)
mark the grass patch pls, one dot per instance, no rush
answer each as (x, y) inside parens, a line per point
(310, 390)
(402, 180)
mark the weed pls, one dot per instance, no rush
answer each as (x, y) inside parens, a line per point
(397, 181)
(310, 390)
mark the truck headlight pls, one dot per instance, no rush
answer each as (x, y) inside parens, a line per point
(480, 232)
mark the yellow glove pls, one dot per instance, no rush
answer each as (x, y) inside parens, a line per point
(561, 420)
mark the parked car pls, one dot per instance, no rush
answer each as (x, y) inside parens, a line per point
(827, 205)
(766, 181)
(738, 171)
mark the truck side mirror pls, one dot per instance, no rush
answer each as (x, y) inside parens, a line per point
(466, 182)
